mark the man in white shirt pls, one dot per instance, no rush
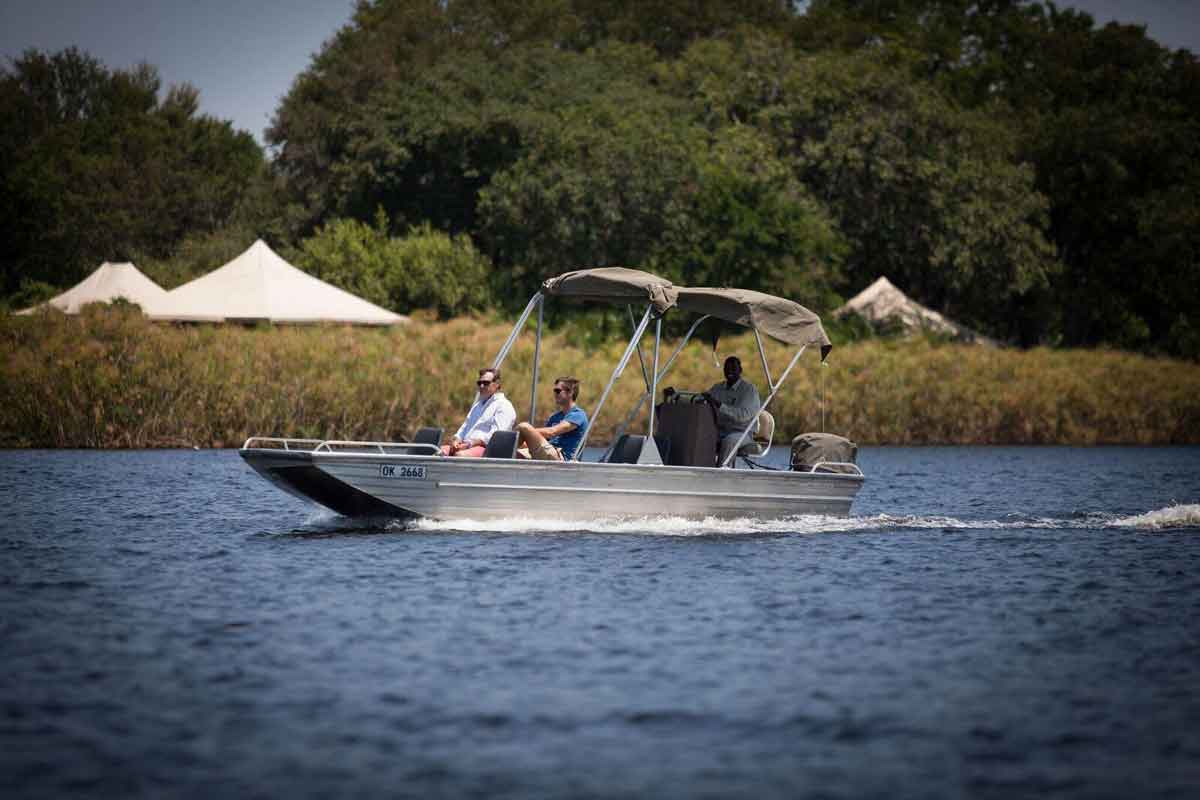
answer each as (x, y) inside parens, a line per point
(491, 412)
(736, 403)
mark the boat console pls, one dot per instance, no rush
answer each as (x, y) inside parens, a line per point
(690, 426)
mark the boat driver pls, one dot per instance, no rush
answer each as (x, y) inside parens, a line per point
(491, 412)
(564, 430)
(736, 403)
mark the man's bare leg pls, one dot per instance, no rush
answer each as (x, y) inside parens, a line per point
(538, 447)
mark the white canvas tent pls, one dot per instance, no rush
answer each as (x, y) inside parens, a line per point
(259, 285)
(108, 283)
(882, 302)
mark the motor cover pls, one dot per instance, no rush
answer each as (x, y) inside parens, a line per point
(810, 449)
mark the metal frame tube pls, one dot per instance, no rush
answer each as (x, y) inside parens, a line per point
(537, 359)
(687, 337)
(762, 354)
(770, 397)
(637, 335)
(658, 378)
(512, 337)
(641, 360)
(654, 374)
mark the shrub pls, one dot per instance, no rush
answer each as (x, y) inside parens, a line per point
(427, 268)
(110, 378)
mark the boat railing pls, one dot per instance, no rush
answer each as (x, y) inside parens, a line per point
(382, 448)
(339, 446)
(278, 443)
(840, 467)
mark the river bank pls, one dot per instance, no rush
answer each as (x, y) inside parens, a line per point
(111, 379)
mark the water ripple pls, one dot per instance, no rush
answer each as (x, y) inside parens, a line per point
(991, 622)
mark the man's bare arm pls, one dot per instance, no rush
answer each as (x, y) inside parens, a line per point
(556, 430)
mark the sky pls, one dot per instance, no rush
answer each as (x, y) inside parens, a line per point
(244, 54)
(241, 54)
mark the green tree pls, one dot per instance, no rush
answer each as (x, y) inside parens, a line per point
(748, 221)
(1109, 119)
(426, 268)
(332, 120)
(927, 193)
(93, 167)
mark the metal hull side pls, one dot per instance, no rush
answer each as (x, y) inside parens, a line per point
(488, 489)
(294, 473)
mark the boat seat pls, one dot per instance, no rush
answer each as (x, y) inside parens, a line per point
(503, 444)
(633, 448)
(431, 436)
(627, 449)
(760, 445)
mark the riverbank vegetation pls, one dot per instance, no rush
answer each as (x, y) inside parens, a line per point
(1005, 162)
(109, 378)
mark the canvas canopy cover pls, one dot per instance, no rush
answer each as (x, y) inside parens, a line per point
(107, 283)
(810, 449)
(259, 285)
(777, 317)
(613, 285)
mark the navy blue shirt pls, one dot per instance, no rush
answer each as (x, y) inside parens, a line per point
(569, 442)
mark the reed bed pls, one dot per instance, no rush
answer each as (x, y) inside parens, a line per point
(110, 379)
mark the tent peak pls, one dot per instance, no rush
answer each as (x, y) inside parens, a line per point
(259, 284)
(883, 301)
(107, 283)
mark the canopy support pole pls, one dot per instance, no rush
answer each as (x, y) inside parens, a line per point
(770, 397)
(537, 360)
(641, 360)
(637, 335)
(512, 337)
(666, 368)
(762, 354)
(654, 374)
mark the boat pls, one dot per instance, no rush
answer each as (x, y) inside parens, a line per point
(632, 478)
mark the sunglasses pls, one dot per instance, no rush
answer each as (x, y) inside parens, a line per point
(560, 390)
(484, 383)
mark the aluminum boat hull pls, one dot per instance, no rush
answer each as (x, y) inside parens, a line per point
(375, 484)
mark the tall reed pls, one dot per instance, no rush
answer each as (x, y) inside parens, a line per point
(109, 378)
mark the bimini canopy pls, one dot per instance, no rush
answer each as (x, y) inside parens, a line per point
(613, 285)
(778, 318)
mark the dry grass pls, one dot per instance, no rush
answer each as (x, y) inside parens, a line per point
(111, 379)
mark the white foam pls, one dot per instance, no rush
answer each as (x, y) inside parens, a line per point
(713, 526)
(647, 526)
(320, 515)
(1176, 516)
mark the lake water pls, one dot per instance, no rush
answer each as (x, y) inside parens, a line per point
(990, 622)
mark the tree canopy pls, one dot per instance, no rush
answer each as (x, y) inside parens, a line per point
(1006, 162)
(95, 166)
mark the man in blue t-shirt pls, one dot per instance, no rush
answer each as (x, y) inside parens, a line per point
(564, 430)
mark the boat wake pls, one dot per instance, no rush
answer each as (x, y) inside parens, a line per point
(1174, 517)
(1177, 516)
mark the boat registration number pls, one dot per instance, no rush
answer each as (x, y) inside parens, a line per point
(402, 471)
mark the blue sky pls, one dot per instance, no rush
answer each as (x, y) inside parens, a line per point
(243, 54)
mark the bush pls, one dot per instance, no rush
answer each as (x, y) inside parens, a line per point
(110, 378)
(427, 268)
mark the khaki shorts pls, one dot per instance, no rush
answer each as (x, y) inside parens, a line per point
(547, 452)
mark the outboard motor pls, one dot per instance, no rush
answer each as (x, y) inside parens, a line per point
(826, 449)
